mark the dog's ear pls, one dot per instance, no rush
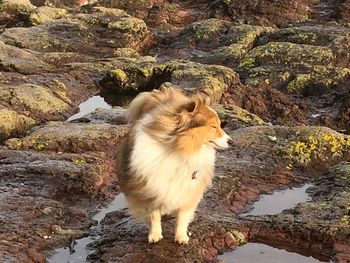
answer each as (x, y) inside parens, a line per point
(198, 100)
(201, 99)
(190, 106)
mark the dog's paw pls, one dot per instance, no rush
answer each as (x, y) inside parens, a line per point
(182, 239)
(154, 237)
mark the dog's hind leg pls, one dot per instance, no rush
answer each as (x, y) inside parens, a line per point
(183, 217)
(155, 227)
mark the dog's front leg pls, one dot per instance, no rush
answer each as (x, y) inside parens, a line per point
(155, 227)
(183, 218)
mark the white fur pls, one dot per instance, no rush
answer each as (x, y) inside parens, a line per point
(222, 142)
(169, 175)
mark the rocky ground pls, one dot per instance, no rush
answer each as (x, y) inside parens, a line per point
(278, 73)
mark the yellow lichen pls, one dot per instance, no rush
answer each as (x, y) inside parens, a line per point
(79, 161)
(325, 147)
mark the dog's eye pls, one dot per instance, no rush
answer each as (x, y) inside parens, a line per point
(213, 126)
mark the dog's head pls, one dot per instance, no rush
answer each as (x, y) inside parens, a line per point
(183, 123)
(201, 126)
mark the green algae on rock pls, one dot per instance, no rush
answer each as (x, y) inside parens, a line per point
(234, 117)
(70, 137)
(214, 33)
(296, 68)
(220, 41)
(101, 15)
(45, 13)
(205, 31)
(320, 146)
(214, 80)
(22, 61)
(32, 100)
(13, 124)
(284, 53)
(57, 35)
(19, 6)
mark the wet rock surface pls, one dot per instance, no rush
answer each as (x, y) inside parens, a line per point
(279, 77)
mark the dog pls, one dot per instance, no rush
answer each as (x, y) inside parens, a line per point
(167, 157)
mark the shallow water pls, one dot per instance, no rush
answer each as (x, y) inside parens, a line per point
(90, 105)
(275, 203)
(255, 252)
(64, 255)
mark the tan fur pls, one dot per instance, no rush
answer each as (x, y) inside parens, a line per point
(171, 138)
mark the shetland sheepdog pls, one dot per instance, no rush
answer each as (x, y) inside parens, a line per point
(167, 158)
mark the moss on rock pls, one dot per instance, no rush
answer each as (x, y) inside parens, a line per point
(13, 124)
(45, 13)
(283, 53)
(23, 61)
(206, 30)
(130, 25)
(323, 146)
(70, 137)
(33, 99)
(102, 15)
(16, 6)
(235, 117)
(138, 75)
(214, 80)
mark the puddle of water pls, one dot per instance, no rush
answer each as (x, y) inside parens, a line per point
(90, 105)
(64, 255)
(276, 202)
(255, 252)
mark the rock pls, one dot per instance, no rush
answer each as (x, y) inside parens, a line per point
(45, 13)
(215, 41)
(268, 103)
(263, 11)
(213, 33)
(73, 35)
(13, 124)
(293, 60)
(233, 117)
(190, 76)
(70, 137)
(251, 166)
(138, 8)
(126, 52)
(34, 100)
(335, 37)
(61, 3)
(296, 68)
(14, 13)
(35, 182)
(170, 16)
(48, 96)
(19, 60)
(126, 235)
(47, 184)
(114, 116)
(63, 35)
(345, 11)
(325, 217)
(16, 5)
(129, 24)
(102, 15)
(275, 53)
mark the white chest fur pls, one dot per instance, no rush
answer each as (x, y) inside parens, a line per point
(169, 176)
